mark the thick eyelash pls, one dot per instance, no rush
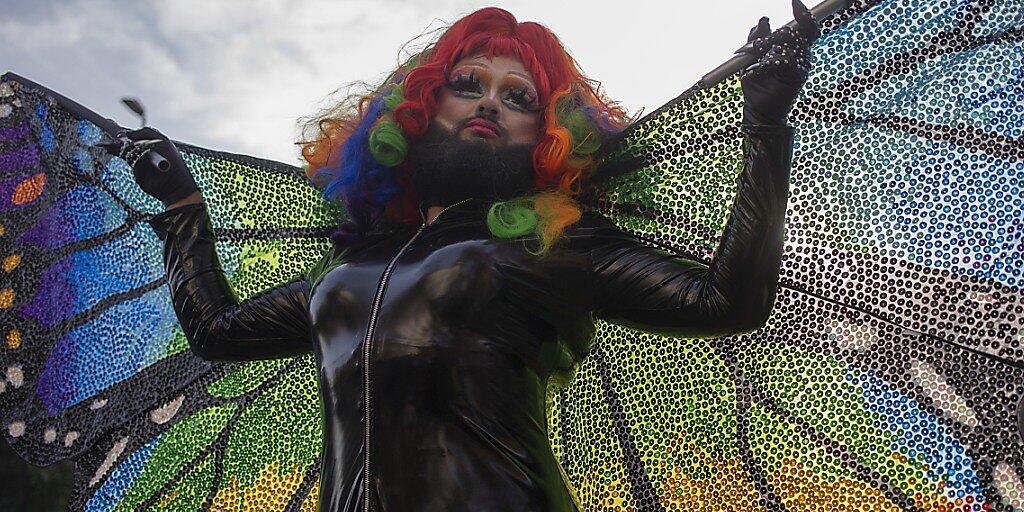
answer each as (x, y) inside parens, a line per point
(521, 97)
(465, 83)
(469, 83)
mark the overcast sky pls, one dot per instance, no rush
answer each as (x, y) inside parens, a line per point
(235, 76)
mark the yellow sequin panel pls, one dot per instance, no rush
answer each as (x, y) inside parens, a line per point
(271, 491)
(11, 261)
(311, 502)
(13, 339)
(725, 486)
(801, 490)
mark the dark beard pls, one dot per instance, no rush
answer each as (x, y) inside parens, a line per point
(444, 169)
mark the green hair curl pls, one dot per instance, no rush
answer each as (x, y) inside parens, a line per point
(521, 216)
(570, 113)
(394, 97)
(512, 218)
(585, 138)
(387, 142)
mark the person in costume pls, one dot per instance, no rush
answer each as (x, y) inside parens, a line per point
(469, 276)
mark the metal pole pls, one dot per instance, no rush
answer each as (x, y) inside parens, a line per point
(738, 62)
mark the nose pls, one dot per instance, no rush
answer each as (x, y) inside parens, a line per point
(487, 107)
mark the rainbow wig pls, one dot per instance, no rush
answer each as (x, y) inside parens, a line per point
(356, 151)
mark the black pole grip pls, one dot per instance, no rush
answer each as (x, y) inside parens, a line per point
(158, 161)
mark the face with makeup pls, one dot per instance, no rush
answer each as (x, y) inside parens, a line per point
(492, 100)
(480, 142)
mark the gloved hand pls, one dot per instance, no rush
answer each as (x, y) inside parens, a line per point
(772, 83)
(169, 186)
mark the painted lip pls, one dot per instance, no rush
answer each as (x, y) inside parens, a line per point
(484, 127)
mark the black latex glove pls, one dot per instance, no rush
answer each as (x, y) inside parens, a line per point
(772, 83)
(170, 185)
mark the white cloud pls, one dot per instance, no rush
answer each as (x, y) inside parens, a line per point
(236, 76)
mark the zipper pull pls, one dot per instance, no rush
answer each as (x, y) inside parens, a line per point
(430, 223)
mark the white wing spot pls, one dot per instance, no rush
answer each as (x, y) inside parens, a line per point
(944, 396)
(16, 428)
(49, 435)
(70, 438)
(108, 462)
(163, 414)
(15, 376)
(98, 403)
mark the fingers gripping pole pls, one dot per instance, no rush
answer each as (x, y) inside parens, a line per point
(742, 60)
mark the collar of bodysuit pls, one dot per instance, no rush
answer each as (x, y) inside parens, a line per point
(464, 209)
(473, 210)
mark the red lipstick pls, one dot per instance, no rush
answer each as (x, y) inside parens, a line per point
(484, 127)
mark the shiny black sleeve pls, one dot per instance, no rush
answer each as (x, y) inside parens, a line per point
(652, 290)
(271, 324)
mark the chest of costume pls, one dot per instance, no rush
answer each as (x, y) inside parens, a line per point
(450, 296)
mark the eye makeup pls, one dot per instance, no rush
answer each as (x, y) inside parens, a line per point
(469, 82)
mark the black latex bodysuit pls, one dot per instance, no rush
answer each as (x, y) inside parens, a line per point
(464, 330)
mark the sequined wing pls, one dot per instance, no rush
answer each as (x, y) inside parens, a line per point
(96, 367)
(891, 373)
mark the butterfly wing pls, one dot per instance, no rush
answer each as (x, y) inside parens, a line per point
(891, 372)
(96, 367)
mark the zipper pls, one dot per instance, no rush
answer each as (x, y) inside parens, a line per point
(378, 297)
